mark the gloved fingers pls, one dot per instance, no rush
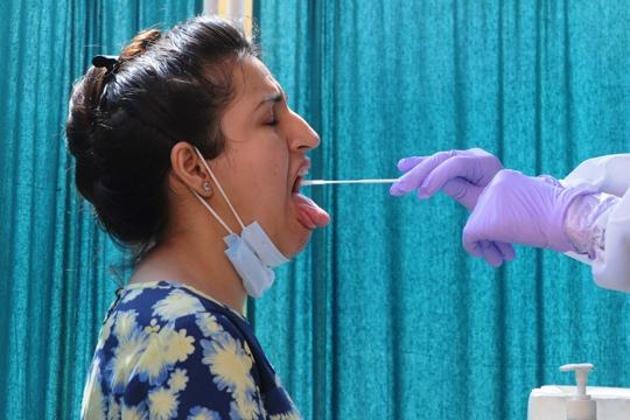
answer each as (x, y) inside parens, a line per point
(506, 249)
(472, 237)
(472, 247)
(459, 166)
(494, 252)
(407, 163)
(415, 176)
(490, 253)
(462, 191)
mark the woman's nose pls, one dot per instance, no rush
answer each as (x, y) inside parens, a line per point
(302, 136)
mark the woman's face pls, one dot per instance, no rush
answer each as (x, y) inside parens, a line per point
(264, 159)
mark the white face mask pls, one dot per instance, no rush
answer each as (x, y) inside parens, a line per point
(252, 254)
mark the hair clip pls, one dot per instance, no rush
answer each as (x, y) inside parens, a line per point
(110, 62)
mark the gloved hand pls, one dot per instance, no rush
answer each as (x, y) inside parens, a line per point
(462, 174)
(515, 208)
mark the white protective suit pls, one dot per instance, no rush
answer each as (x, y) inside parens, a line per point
(609, 231)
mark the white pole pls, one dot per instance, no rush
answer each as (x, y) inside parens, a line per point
(210, 7)
(236, 10)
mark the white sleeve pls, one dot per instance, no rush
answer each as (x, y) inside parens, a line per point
(611, 175)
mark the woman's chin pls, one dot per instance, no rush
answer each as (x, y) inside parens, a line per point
(299, 237)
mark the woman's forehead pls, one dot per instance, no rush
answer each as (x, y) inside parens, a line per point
(255, 80)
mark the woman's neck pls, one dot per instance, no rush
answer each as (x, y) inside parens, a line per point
(196, 261)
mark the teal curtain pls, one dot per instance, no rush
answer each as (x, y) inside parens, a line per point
(384, 315)
(59, 271)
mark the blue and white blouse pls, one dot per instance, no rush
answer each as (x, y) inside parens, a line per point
(167, 351)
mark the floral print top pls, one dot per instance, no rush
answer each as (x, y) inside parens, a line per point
(167, 351)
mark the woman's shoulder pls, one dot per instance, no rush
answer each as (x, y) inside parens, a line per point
(158, 307)
(165, 342)
(168, 302)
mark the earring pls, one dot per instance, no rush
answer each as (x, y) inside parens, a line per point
(206, 186)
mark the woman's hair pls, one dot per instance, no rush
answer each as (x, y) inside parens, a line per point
(125, 116)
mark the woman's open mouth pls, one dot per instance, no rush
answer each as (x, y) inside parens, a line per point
(309, 214)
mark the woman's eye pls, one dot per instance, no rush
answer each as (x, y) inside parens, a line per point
(272, 121)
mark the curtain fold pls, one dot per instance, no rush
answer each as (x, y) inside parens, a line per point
(384, 315)
(59, 271)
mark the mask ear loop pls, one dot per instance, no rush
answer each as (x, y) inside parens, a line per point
(205, 164)
(214, 213)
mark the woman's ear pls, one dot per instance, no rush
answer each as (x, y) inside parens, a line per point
(187, 168)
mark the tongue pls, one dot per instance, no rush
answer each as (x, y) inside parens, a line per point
(309, 213)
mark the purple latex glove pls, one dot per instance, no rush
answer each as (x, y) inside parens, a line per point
(462, 174)
(520, 209)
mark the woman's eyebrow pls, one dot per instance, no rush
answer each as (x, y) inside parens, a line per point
(274, 97)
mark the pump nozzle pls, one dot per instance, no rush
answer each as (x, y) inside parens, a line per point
(580, 407)
(581, 376)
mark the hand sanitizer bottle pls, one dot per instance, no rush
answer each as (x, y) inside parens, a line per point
(580, 406)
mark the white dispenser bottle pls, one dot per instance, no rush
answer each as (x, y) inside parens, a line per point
(580, 406)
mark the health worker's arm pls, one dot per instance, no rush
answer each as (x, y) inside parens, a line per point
(586, 215)
(598, 224)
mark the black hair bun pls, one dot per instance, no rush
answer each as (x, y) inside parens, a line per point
(126, 113)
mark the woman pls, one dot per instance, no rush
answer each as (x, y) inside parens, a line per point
(190, 155)
(586, 215)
